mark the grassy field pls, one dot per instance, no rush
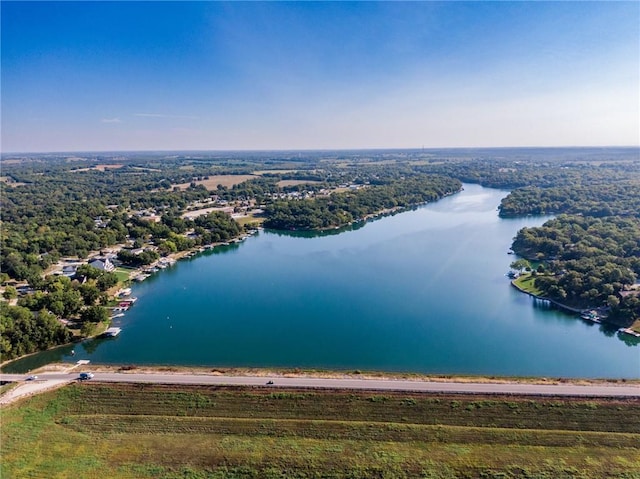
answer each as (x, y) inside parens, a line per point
(123, 274)
(284, 183)
(525, 282)
(168, 432)
(213, 181)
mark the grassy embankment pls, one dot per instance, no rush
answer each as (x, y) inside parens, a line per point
(176, 431)
(526, 283)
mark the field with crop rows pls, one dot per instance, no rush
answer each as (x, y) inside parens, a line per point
(240, 432)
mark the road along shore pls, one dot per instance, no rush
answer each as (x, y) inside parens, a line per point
(581, 389)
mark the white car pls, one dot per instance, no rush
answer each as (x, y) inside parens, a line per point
(32, 378)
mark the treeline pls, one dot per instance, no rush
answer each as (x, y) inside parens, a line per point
(57, 207)
(340, 209)
(22, 332)
(619, 199)
(33, 324)
(542, 173)
(589, 261)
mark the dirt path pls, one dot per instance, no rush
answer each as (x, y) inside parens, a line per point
(31, 388)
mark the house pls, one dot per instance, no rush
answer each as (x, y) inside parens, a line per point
(102, 264)
(69, 270)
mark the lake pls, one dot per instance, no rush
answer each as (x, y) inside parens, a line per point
(421, 291)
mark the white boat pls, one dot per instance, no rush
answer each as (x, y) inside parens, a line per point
(590, 316)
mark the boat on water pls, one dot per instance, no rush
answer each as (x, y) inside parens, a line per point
(590, 316)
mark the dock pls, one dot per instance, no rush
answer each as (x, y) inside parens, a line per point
(629, 331)
(112, 332)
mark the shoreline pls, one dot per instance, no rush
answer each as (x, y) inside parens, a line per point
(371, 216)
(554, 302)
(172, 258)
(570, 309)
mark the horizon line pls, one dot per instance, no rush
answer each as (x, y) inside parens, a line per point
(265, 150)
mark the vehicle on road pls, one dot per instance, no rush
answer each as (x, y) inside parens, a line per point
(32, 378)
(269, 383)
(84, 376)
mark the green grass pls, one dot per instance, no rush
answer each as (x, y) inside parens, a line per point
(123, 274)
(169, 432)
(525, 282)
(252, 221)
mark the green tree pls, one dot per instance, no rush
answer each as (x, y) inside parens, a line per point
(520, 265)
(94, 314)
(10, 292)
(88, 329)
(107, 280)
(89, 292)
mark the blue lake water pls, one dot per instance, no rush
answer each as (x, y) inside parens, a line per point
(420, 291)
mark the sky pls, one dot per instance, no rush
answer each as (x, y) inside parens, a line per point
(108, 76)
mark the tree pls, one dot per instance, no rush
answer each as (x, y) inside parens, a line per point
(89, 292)
(56, 307)
(107, 280)
(23, 332)
(520, 265)
(613, 301)
(10, 292)
(94, 314)
(87, 329)
(167, 247)
(88, 271)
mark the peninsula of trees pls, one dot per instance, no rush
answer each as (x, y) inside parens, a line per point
(339, 209)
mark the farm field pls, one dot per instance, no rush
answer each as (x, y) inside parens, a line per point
(213, 181)
(285, 183)
(166, 431)
(99, 168)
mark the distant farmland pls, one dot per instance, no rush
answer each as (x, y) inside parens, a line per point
(99, 168)
(284, 183)
(212, 182)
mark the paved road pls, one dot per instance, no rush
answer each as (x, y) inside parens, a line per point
(602, 390)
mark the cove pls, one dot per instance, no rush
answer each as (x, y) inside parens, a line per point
(420, 291)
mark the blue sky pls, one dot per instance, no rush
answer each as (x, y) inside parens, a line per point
(80, 76)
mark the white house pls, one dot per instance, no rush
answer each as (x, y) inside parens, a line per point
(102, 264)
